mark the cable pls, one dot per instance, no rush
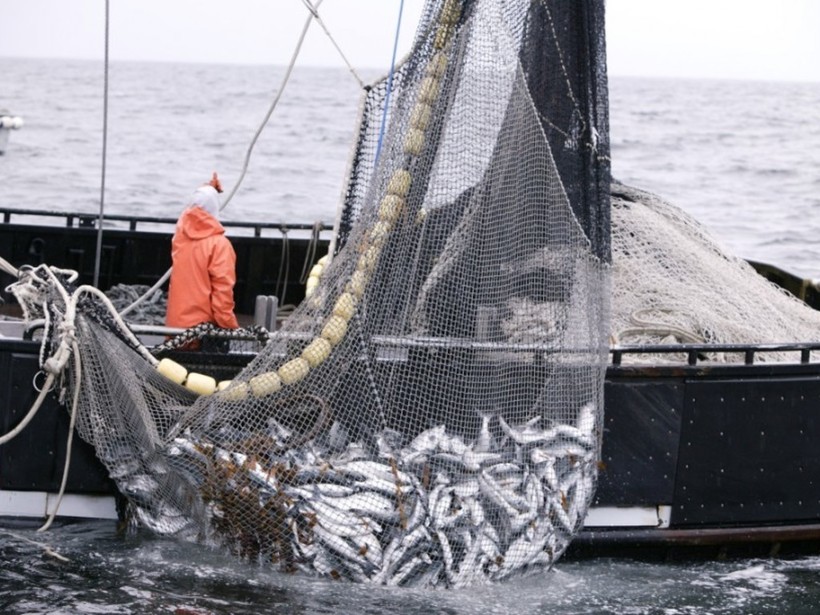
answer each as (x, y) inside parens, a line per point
(246, 162)
(9, 268)
(47, 550)
(272, 106)
(313, 10)
(389, 83)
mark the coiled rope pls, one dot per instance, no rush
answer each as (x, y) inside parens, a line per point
(68, 347)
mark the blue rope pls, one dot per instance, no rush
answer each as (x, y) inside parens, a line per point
(389, 84)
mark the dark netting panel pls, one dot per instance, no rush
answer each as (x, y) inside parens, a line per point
(564, 58)
(431, 413)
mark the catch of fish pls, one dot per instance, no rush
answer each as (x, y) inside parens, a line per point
(437, 511)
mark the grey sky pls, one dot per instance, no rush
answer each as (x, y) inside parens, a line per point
(744, 39)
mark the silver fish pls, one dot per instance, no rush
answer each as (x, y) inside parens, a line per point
(467, 488)
(469, 565)
(515, 501)
(374, 505)
(340, 522)
(586, 418)
(429, 440)
(340, 546)
(484, 442)
(414, 565)
(396, 551)
(446, 555)
(474, 460)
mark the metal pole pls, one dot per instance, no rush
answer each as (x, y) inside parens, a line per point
(104, 148)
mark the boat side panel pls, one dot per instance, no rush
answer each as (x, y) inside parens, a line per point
(20, 469)
(749, 452)
(642, 423)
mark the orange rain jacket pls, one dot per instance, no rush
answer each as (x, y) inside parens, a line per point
(203, 273)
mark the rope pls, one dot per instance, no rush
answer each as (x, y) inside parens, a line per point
(313, 10)
(656, 328)
(46, 548)
(209, 329)
(389, 84)
(313, 245)
(57, 362)
(247, 159)
(70, 440)
(104, 149)
(275, 102)
(9, 268)
(35, 407)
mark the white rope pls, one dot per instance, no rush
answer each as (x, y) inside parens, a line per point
(314, 11)
(246, 162)
(148, 293)
(275, 102)
(9, 268)
(55, 364)
(46, 548)
(70, 440)
(35, 407)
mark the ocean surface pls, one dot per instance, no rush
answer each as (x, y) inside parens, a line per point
(741, 157)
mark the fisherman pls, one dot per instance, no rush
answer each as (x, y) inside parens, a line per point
(203, 271)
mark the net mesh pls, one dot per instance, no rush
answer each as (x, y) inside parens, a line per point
(674, 284)
(431, 414)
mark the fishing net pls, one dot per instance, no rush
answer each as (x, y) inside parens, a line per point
(431, 414)
(674, 284)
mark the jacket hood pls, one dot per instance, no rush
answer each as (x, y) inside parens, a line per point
(196, 223)
(207, 198)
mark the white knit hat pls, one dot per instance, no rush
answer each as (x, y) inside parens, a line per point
(207, 198)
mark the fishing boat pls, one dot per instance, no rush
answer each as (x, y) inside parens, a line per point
(698, 458)
(450, 399)
(8, 122)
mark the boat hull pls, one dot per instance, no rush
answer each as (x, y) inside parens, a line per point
(698, 454)
(709, 459)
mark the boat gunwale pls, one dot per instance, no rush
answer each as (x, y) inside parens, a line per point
(89, 221)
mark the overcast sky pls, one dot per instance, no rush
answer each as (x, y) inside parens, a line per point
(743, 39)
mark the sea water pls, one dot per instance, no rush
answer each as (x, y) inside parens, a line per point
(100, 571)
(741, 157)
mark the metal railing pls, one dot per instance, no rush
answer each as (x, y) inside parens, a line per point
(89, 221)
(697, 354)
